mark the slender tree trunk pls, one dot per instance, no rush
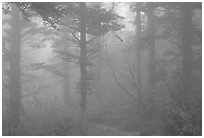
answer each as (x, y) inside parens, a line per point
(138, 56)
(14, 74)
(66, 88)
(83, 71)
(98, 76)
(186, 51)
(151, 50)
(96, 80)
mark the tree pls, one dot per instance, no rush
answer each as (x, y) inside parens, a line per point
(177, 20)
(83, 64)
(180, 30)
(15, 71)
(186, 50)
(84, 20)
(13, 53)
(151, 48)
(83, 53)
(138, 55)
(66, 87)
(95, 71)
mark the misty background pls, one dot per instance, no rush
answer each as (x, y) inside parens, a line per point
(101, 68)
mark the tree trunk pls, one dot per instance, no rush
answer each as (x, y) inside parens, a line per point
(151, 51)
(83, 71)
(138, 56)
(66, 88)
(14, 74)
(98, 76)
(96, 71)
(186, 51)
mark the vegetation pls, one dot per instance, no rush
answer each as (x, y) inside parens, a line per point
(102, 68)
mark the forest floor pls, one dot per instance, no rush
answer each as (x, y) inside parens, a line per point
(93, 129)
(104, 130)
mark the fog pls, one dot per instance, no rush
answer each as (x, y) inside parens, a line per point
(101, 69)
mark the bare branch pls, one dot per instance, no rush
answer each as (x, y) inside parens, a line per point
(117, 36)
(67, 54)
(73, 34)
(72, 40)
(117, 81)
(113, 4)
(93, 51)
(5, 51)
(170, 61)
(89, 41)
(133, 81)
(69, 60)
(120, 85)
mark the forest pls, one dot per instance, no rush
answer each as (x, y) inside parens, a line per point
(102, 69)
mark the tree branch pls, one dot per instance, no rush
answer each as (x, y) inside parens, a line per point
(117, 82)
(92, 51)
(69, 60)
(113, 4)
(165, 65)
(117, 36)
(91, 39)
(72, 40)
(73, 34)
(133, 81)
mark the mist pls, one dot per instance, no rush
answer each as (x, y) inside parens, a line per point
(101, 69)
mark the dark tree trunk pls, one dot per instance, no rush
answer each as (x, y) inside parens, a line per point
(186, 51)
(151, 50)
(14, 74)
(83, 71)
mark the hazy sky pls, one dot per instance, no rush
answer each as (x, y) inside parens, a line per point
(122, 8)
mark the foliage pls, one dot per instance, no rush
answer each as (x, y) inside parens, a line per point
(42, 112)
